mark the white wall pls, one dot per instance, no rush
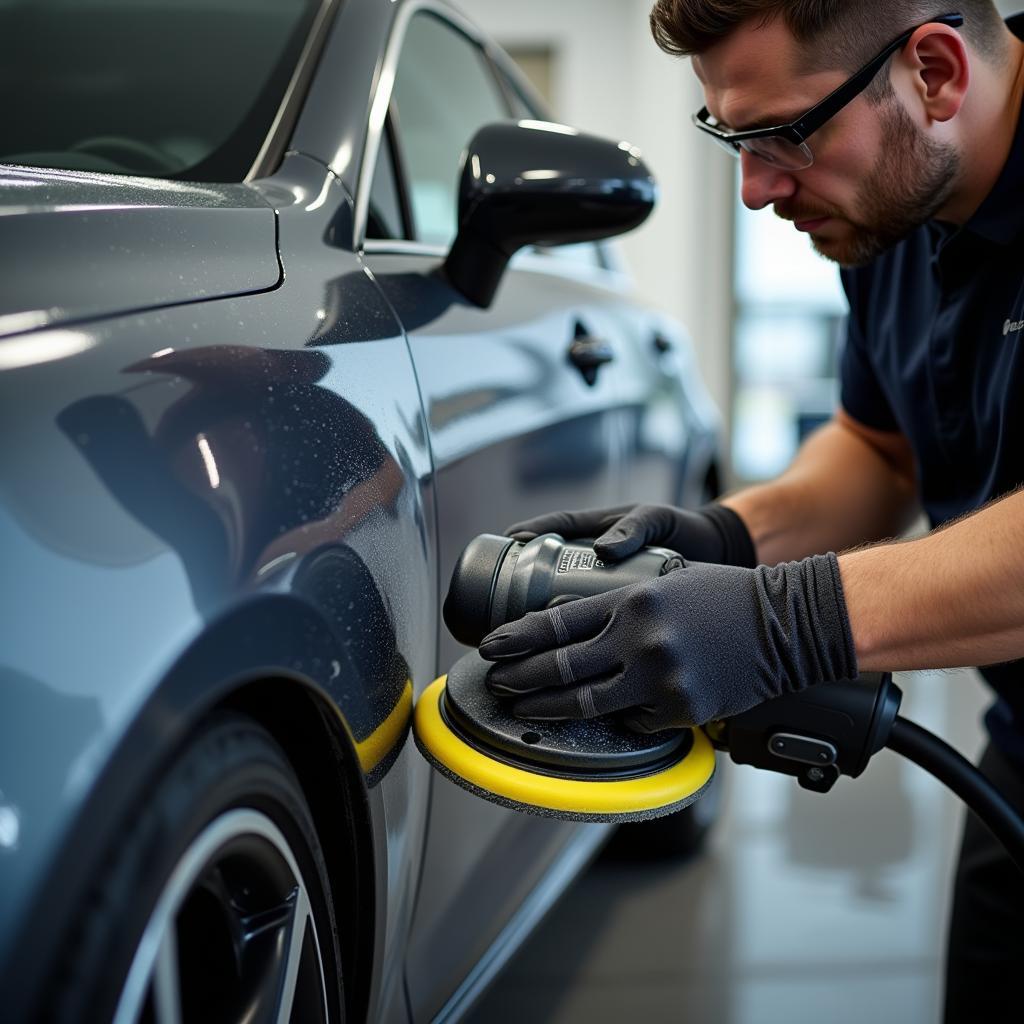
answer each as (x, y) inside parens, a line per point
(611, 79)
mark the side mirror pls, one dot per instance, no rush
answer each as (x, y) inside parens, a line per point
(535, 183)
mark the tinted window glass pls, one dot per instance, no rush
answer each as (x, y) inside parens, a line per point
(444, 92)
(165, 88)
(385, 213)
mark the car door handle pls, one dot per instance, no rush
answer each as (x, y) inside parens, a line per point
(588, 355)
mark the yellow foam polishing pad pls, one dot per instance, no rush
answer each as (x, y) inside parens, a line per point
(664, 790)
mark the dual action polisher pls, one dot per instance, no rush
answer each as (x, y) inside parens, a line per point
(599, 770)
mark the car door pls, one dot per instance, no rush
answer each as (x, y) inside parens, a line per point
(515, 429)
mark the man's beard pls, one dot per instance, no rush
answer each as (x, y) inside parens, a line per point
(910, 183)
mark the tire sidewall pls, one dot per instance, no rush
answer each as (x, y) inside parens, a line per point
(230, 763)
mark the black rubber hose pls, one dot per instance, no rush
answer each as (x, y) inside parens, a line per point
(941, 760)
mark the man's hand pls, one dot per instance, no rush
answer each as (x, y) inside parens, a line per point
(698, 644)
(710, 534)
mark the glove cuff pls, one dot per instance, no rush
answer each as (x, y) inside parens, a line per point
(737, 544)
(805, 623)
(836, 638)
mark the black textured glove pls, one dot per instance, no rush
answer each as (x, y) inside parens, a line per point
(702, 643)
(713, 533)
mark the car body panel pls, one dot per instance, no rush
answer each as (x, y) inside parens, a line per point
(201, 460)
(514, 429)
(672, 426)
(151, 244)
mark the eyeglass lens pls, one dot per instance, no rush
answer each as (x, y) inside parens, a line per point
(781, 153)
(774, 150)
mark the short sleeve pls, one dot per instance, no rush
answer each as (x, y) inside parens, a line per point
(860, 391)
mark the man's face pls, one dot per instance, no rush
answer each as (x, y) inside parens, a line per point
(876, 176)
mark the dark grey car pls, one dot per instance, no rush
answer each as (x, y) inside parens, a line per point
(248, 424)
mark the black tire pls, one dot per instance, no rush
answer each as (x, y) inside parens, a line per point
(676, 836)
(222, 850)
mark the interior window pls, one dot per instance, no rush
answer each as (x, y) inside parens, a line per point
(444, 92)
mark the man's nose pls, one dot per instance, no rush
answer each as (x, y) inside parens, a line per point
(763, 184)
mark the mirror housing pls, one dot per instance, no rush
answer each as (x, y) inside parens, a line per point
(537, 183)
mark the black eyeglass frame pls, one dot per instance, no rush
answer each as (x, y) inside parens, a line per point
(800, 130)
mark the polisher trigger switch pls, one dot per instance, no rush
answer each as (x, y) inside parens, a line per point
(804, 749)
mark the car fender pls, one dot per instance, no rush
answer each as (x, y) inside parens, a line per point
(67, 836)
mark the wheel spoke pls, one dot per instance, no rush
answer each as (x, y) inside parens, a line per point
(232, 936)
(293, 957)
(166, 983)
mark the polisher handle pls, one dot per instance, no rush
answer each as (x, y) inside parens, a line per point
(816, 735)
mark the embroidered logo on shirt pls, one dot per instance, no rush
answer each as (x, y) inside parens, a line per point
(1013, 327)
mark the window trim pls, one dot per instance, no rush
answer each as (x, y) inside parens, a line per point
(275, 144)
(403, 247)
(383, 119)
(380, 104)
(606, 276)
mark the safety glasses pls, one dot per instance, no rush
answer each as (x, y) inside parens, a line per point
(785, 145)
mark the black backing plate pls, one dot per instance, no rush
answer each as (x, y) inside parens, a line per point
(600, 747)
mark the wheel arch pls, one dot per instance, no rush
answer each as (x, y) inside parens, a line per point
(307, 727)
(246, 660)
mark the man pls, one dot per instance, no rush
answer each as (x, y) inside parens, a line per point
(889, 132)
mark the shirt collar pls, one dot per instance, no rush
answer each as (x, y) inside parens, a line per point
(1000, 218)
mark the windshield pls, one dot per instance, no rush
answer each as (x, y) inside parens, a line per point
(162, 88)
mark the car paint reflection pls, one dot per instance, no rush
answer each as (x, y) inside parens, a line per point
(252, 462)
(254, 476)
(377, 713)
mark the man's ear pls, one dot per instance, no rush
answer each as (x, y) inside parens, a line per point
(939, 69)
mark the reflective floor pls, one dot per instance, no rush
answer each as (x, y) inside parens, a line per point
(806, 907)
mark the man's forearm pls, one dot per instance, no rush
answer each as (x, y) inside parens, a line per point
(952, 598)
(838, 493)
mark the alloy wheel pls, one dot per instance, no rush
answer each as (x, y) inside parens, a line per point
(232, 936)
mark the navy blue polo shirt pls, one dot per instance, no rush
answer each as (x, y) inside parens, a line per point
(935, 350)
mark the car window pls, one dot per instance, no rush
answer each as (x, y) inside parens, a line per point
(384, 219)
(444, 91)
(161, 88)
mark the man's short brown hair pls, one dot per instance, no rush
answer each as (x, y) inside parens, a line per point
(839, 34)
